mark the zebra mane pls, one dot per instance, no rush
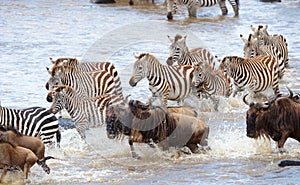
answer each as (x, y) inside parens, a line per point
(60, 61)
(55, 68)
(61, 87)
(142, 55)
(177, 37)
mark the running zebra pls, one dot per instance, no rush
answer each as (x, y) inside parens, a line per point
(34, 121)
(193, 4)
(256, 74)
(82, 111)
(180, 53)
(253, 48)
(89, 67)
(277, 41)
(87, 84)
(168, 82)
(212, 82)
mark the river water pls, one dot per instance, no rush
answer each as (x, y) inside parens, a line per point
(32, 31)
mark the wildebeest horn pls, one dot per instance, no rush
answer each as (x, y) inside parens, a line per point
(244, 99)
(291, 92)
(126, 97)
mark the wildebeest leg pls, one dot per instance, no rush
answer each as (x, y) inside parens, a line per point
(283, 139)
(3, 173)
(133, 153)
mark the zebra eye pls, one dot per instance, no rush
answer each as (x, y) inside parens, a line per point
(140, 67)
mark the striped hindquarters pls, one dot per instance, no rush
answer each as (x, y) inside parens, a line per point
(34, 121)
(256, 73)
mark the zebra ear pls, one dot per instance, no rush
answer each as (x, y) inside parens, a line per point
(47, 68)
(171, 40)
(243, 38)
(51, 60)
(253, 28)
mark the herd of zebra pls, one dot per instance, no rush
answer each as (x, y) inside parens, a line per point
(81, 88)
(191, 5)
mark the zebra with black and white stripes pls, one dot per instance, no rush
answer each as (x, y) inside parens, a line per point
(278, 41)
(89, 67)
(87, 84)
(256, 74)
(168, 82)
(253, 48)
(83, 111)
(213, 83)
(34, 121)
(180, 53)
(193, 4)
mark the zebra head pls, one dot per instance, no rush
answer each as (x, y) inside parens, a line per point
(198, 75)
(59, 97)
(140, 69)
(177, 49)
(251, 45)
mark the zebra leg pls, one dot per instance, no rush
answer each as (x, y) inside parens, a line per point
(235, 5)
(192, 11)
(131, 2)
(223, 7)
(171, 8)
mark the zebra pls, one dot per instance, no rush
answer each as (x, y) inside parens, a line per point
(257, 73)
(193, 4)
(252, 48)
(180, 53)
(212, 82)
(169, 82)
(88, 67)
(277, 41)
(87, 84)
(83, 111)
(34, 121)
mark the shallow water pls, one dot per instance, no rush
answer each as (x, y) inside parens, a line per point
(32, 31)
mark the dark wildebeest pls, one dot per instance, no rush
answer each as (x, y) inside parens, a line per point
(285, 163)
(12, 156)
(278, 119)
(149, 124)
(34, 144)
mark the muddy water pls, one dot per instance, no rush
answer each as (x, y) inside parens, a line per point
(32, 31)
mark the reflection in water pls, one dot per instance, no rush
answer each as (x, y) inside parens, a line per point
(33, 31)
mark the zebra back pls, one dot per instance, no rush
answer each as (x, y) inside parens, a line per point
(256, 74)
(213, 82)
(87, 84)
(92, 66)
(170, 82)
(34, 121)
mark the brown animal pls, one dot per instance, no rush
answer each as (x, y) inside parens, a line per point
(278, 119)
(155, 125)
(16, 156)
(32, 143)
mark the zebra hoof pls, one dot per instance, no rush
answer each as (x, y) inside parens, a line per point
(131, 2)
(170, 16)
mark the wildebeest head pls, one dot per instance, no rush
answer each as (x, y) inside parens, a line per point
(252, 113)
(115, 125)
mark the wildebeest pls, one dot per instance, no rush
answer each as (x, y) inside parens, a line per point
(277, 119)
(32, 143)
(12, 156)
(285, 163)
(150, 124)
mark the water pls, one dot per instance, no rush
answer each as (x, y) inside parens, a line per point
(32, 31)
